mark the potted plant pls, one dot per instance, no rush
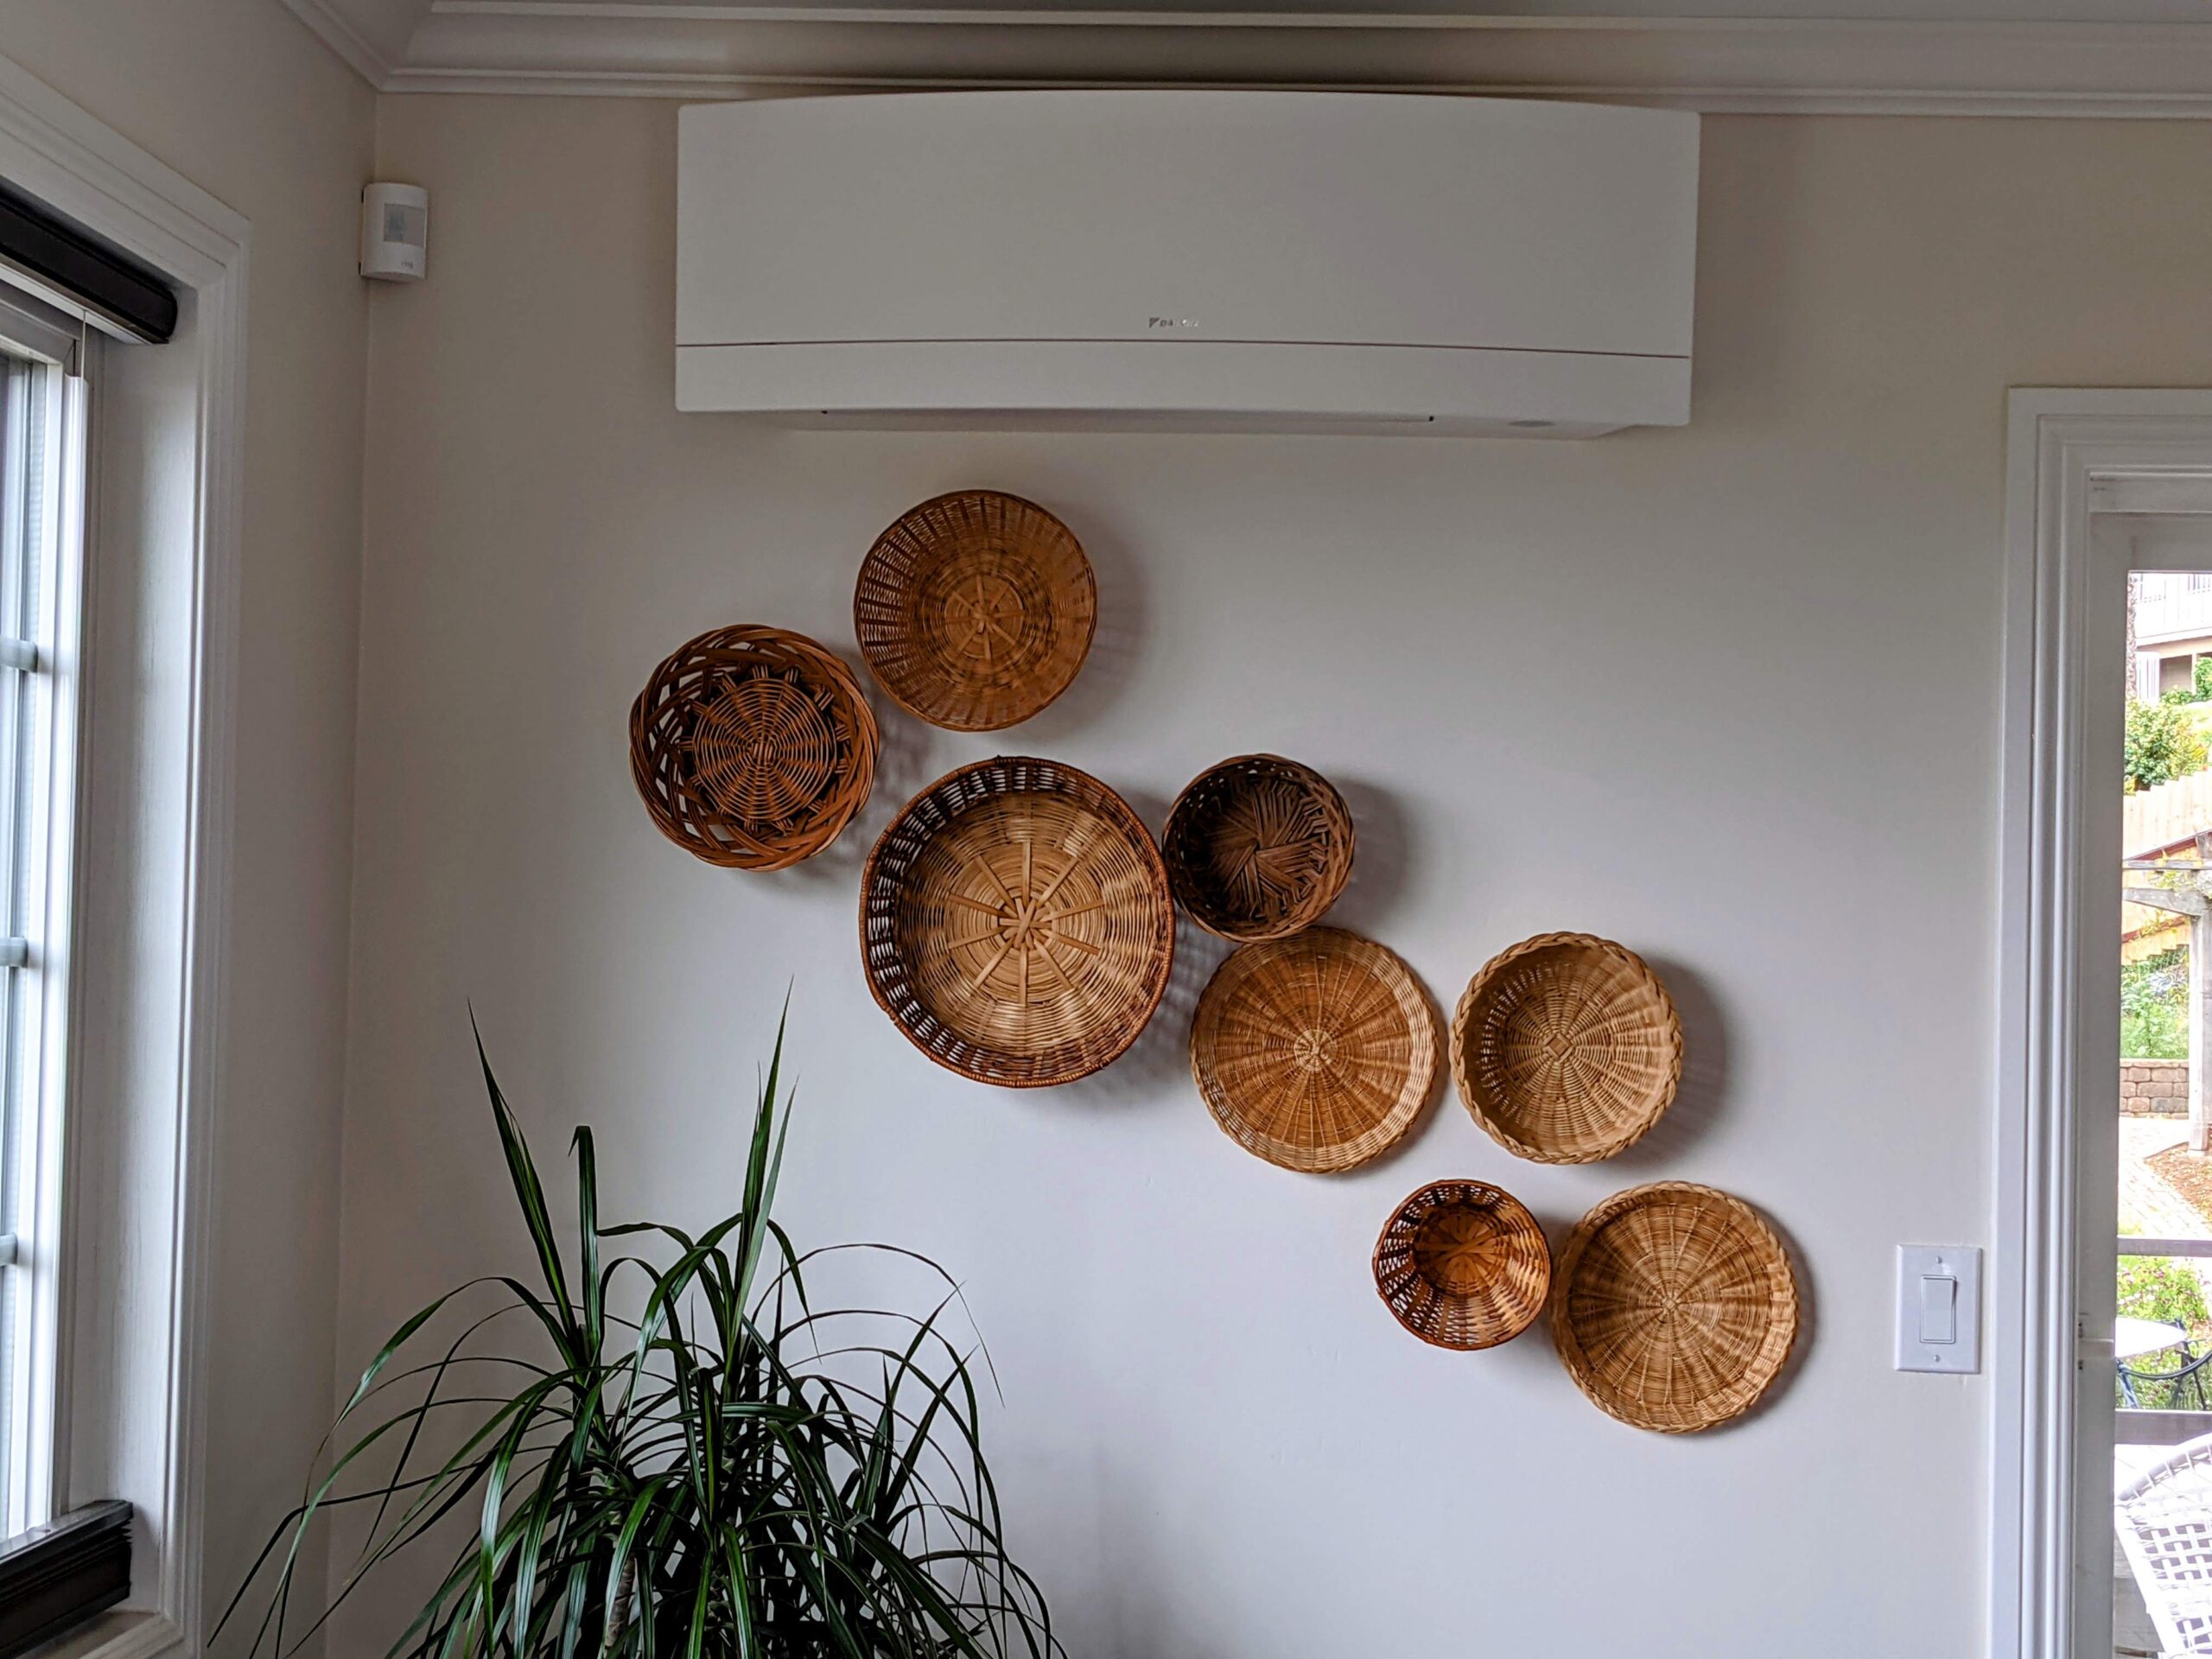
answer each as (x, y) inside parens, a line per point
(685, 1456)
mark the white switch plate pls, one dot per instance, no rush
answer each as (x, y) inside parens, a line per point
(1939, 1308)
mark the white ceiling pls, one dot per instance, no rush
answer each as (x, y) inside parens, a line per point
(2002, 57)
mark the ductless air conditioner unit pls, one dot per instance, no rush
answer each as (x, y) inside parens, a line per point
(1265, 261)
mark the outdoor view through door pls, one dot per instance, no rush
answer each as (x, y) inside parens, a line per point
(2162, 1334)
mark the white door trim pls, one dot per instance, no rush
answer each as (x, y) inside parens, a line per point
(2070, 454)
(76, 164)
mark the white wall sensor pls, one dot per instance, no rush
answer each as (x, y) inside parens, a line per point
(395, 232)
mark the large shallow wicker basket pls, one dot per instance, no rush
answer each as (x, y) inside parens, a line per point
(1316, 1051)
(751, 747)
(1566, 1048)
(1258, 846)
(1015, 923)
(1463, 1264)
(976, 609)
(1674, 1307)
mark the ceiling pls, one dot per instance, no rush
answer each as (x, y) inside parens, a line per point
(1998, 57)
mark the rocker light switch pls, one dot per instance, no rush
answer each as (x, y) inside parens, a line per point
(1939, 1308)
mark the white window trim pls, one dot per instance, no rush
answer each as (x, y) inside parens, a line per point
(79, 166)
(2070, 455)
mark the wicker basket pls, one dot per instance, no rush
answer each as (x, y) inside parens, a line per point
(1676, 1306)
(975, 610)
(1315, 1052)
(753, 747)
(1015, 923)
(1463, 1264)
(1258, 846)
(1566, 1048)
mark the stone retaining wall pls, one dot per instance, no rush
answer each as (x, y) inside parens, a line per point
(2154, 1087)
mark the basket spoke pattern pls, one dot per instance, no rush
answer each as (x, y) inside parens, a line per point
(1566, 1048)
(753, 747)
(1258, 846)
(1676, 1307)
(976, 609)
(1015, 923)
(1463, 1264)
(1315, 1053)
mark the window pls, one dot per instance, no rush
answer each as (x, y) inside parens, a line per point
(128, 963)
(42, 491)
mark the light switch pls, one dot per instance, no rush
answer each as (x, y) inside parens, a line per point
(1939, 1308)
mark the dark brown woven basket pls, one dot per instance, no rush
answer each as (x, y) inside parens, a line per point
(1258, 846)
(1676, 1307)
(976, 609)
(1315, 1053)
(1015, 923)
(751, 747)
(1463, 1264)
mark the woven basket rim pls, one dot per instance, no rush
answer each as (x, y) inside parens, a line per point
(1425, 1059)
(1471, 999)
(1165, 956)
(1498, 1198)
(1787, 1301)
(1089, 629)
(830, 668)
(1324, 895)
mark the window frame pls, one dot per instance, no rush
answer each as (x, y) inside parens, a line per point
(165, 512)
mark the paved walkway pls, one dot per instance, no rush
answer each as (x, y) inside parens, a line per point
(2147, 1204)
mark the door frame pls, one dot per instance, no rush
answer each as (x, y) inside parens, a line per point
(2072, 456)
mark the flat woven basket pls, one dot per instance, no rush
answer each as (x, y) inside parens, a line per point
(1315, 1053)
(1015, 923)
(1676, 1306)
(1463, 1264)
(753, 747)
(1566, 1048)
(1258, 846)
(976, 609)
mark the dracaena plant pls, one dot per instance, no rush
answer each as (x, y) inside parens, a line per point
(727, 1469)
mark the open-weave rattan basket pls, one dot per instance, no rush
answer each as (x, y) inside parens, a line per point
(1566, 1048)
(1015, 923)
(1315, 1053)
(1676, 1306)
(976, 609)
(1463, 1264)
(753, 747)
(1258, 846)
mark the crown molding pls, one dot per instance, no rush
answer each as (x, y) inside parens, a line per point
(624, 48)
(338, 32)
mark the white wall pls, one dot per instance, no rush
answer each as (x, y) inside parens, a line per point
(238, 97)
(1727, 694)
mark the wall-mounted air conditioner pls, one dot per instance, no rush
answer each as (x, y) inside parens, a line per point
(1266, 261)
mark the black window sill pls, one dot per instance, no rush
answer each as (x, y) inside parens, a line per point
(56, 1576)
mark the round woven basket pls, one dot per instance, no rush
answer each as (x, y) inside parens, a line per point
(753, 747)
(1676, 1306)
(1258, 846)
(1315, 1052)
(1566, 1048)
(976, 609)
(1463, 1264)
(1015, 923)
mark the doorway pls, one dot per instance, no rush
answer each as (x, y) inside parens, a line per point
(2109, 500)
